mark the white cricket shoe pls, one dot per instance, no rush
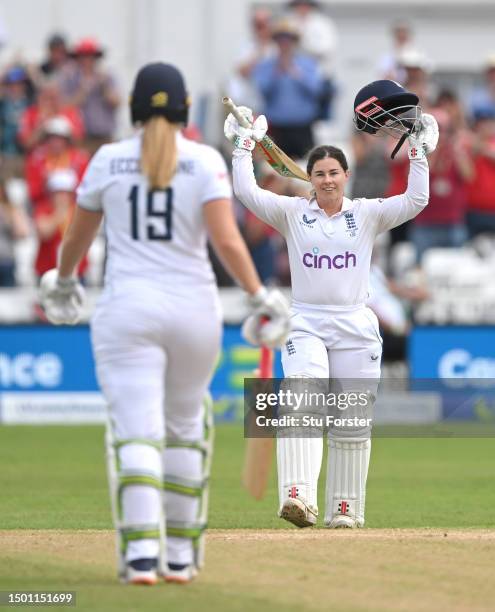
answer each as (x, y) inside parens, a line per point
(180, 574)
(142, 571)
(296, 511)
(342, 521)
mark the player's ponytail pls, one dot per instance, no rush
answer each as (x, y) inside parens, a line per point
(159, 151)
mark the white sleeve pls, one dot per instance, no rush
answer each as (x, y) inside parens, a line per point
(89, 192)
(393, 211)
(215, 177)
(267, 206)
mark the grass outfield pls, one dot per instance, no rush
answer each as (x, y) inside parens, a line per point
(430, 542)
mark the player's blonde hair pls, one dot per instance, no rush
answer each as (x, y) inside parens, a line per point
(159, 151)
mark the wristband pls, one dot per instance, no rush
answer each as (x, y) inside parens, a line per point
(244, 143)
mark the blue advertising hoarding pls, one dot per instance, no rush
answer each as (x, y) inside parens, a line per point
(43, 368)
(459, 363)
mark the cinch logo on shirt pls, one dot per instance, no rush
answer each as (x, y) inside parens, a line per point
(315, 260)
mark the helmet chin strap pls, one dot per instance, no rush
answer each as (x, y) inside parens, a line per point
(399, 144)
(402, 139)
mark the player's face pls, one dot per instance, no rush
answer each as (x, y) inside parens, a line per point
(328, 178)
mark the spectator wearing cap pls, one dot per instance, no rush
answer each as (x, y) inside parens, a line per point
(15, 100)
(48, 104)
(481, 187)
(54, 168)
(319, 39)
(291, 84)
(484, 97)
(389, 65)
(86, 85)
(57, 56)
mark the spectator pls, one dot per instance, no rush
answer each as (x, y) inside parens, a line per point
(370, 175)
(319, 40)
(484, 97)
(14, 102)
(417, 70)
(481, 187)
(57, 56)
(441, 223)
(57, 162)
(290, 83)
(14, 225)
(389, 65)
(240, 86)
(449, 102)
(85, 85)
(48, 105)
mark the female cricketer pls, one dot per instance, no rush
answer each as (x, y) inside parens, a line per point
(156, 330)
(334, 335)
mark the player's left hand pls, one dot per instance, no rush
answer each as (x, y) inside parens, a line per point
(244, 137)
(269, 325)
(62, 299)
(424, 141)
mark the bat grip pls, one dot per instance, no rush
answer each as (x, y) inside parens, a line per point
(243, 122)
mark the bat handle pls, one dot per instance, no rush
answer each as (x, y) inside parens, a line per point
(229, 104)
(266, 359)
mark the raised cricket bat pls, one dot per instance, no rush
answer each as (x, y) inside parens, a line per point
(259, 451)
(278, 160)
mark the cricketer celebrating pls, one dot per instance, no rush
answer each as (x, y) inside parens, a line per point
(156, 330)
(334, 335)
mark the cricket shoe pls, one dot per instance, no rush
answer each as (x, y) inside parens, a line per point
(296, 511)
(180, 574)
(142, 571)
(342, 521)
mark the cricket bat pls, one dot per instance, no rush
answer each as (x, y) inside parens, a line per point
(278, 160)
(259, 451)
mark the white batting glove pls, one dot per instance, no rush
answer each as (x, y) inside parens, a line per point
(424, 141)
(242, 137)
(62, 299)
(269, 324)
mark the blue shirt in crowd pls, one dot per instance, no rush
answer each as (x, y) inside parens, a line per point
(289, 99)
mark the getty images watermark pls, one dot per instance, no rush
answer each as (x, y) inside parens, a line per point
(304, 407)
(293, 403)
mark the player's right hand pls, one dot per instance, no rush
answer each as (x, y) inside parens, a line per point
(245, 137)
(62, 299)
(269, 325)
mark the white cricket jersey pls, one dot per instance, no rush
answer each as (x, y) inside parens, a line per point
(330, 256)
(155, 235)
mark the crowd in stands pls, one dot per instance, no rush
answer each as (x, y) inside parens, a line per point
(55, 115)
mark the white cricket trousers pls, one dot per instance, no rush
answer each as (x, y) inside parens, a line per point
(337, 343)
(155, 353)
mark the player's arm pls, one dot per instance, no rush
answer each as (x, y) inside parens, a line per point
(77, 239)
(396, 210)
(267, 206)
(268, 325)
(229, 245)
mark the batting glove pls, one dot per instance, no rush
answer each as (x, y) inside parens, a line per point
(62, 299)
(424, 140)
(269, 325)
(245, 137)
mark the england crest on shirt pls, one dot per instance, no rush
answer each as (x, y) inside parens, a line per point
(350, 224)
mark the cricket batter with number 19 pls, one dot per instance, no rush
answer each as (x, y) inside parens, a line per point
(156, 330)
(334, 335)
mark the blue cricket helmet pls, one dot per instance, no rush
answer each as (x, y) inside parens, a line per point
(386, 105)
